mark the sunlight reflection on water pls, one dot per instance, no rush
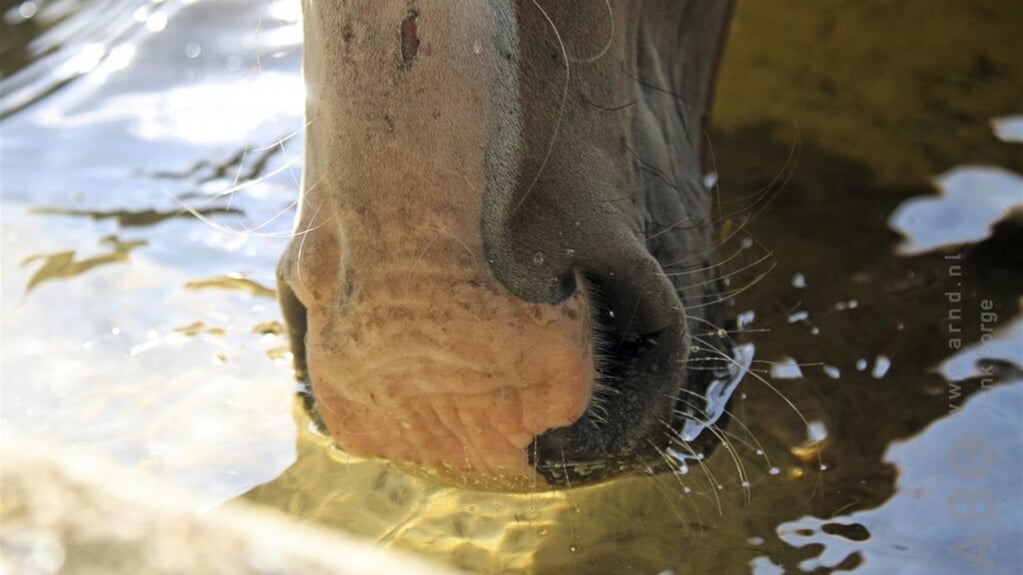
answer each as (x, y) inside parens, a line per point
(109, 357)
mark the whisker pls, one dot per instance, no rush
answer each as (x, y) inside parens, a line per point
(716, 190)
(720, 331)
(770, 190)
(673, 466)
(727, 445)
(774, 389)
(744, 482)
(561, 109)
(699, 458)
(729, 295)
(717, 264)
(714, 247)
(730, 274)
(249, 183)
(607, 46)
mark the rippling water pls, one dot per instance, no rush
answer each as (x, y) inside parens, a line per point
(869, 162)
(130, 325)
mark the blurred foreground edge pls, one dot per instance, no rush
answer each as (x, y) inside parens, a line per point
(74, 514)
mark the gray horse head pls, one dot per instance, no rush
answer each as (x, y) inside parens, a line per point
(503, 265)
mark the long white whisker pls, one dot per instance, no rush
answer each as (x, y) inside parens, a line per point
(561, 109)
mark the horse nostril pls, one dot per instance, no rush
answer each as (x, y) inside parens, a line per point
(551, 290)
(630, 425)
(642, 330)
(566, 287)
(541, 279)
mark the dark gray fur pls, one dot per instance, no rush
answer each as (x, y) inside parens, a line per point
(619, 199)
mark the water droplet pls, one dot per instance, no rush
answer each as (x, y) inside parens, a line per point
(27, 10)
(570, 253)
(538, 258)
(746, 318)
(881, 366)
(798, 316)
(774, 471)
(816, 431)
(573, 548)
(786, 368)
(477, 47)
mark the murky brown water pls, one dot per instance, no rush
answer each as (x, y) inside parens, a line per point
(148, 170)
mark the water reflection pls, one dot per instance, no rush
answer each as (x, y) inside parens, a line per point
(972, 201)
(233, 282)
(1009, 128)
(140, 359)
(137, 218)
(65, 265)
(957, 504)
(47, 45)
(239, 168)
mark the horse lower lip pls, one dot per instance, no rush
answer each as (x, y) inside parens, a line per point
(457, 373)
